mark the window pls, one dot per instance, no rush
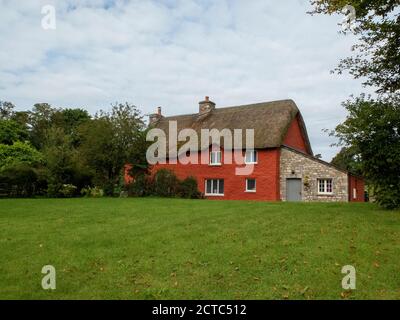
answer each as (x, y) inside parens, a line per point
(250, 185)
(325, 186)
(354, 193)
(215, 158)
(251, 157)
(214, 187)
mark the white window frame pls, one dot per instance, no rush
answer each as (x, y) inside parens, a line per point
(217, 156)
(354, 193)
(212, 188)
(255, 185)
(325, 181)
(255, 157)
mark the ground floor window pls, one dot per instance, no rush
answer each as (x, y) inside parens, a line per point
(250, 185)
(214, 187)
(325, 186)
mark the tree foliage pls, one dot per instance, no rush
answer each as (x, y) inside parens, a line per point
(6, 110)
(348, 159)
(20, 180)
(12, 131)
(72, 150)
(372, 131)
(112, 140)
(377, 54)
(19, 153)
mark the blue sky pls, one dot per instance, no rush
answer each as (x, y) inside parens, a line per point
(173, 53)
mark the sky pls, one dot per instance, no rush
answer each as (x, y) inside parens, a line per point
(174, 53)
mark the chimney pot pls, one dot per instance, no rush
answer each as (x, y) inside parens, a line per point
(159, 111)
(207, 98)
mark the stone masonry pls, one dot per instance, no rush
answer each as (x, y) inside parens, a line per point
(294, 164)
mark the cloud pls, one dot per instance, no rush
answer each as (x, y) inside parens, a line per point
(173, 53)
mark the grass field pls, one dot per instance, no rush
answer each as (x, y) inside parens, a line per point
(196, 249)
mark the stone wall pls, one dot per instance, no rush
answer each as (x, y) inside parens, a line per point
(294, 164)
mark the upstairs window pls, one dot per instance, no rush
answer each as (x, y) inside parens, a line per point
(215, 158)
(214, 187)
(251, 157)
(325, 186)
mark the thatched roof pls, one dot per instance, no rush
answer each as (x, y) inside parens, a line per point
(270, 121)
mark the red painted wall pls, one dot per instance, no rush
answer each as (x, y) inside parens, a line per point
(294, 137)
(358, 184)
(266, 173)
(127, 177)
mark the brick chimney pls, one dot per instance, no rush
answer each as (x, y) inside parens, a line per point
(154, 117)
(206, 106)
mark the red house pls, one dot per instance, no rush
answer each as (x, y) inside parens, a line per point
(283, 165)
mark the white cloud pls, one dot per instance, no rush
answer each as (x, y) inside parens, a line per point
(173, 53)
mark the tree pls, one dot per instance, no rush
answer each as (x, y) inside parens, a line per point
(40, 120)
(20, 180)
(19, 153)
(372, 131)
(97, 150)
(11, 131)
(377, 53)
(348, 159)
(6, 109)
(112, 140)
(64, 166)
(69, 120)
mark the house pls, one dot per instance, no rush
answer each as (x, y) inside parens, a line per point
(284, 167)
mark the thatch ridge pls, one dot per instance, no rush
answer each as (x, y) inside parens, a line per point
(270, 121)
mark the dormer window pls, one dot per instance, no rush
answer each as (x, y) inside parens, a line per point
(251, 157)
(215, 158)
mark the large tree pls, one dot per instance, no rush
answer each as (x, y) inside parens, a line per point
(371, 130)
(63, 163)
(6, 109)
(12, 131)
(111, 140)
(376, 55)
(348, 159)
(40, 120)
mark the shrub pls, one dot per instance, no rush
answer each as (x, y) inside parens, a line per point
(68, 190)
(19, 153)
(53, 189)
(141, 186)
(188, 188)
(166, 184)
(163, 184)
(19, 180)
(388, 196)
(94, 192)
(109, 189)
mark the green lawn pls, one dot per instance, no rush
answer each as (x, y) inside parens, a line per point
(196, 249)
